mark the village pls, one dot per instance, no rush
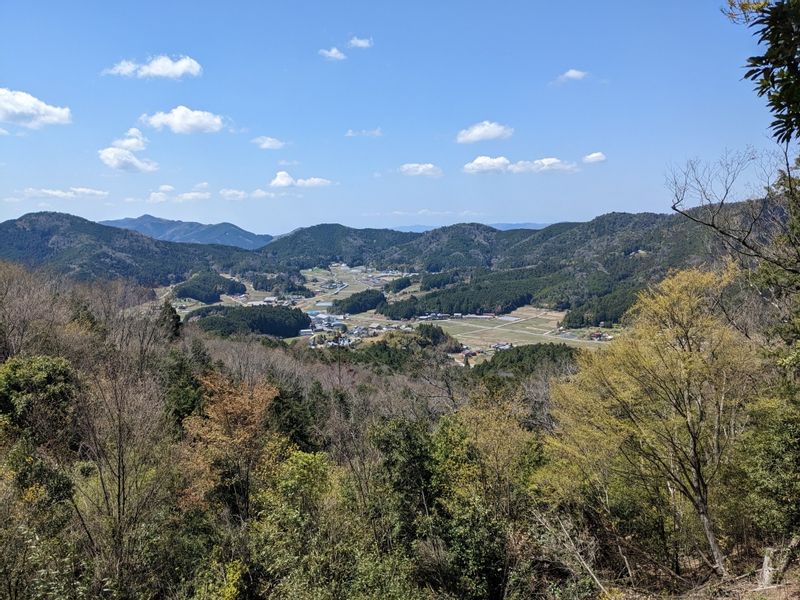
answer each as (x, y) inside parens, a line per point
(480, 335)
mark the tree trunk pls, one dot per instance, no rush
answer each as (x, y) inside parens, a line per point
(713, 544)
(765, 577)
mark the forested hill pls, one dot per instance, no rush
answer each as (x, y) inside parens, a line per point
(592, 269)
(86, 250)
(323, 244)
(596, 267)
(672, 238)
(226, 234)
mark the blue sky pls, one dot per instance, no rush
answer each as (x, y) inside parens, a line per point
(458, 111)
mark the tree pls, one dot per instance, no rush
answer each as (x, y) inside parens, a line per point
(169, 321)
(226, 445)
(777, 71)
(123, 479)
(38, 394)
(665, 403)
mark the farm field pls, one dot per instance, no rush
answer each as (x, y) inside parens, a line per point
(355, 279)
(525, 325)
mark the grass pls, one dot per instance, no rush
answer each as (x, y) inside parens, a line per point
(533, 325)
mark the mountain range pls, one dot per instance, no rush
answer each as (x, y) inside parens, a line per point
(574, 266)
(500, 226)
(226, 234)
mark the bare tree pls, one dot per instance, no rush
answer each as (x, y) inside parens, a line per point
(125, 441)
(29, 309)
(762, 227)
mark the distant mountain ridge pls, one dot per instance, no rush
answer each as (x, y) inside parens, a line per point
(226, 234)
(507, 226)
(499, 226)
(593, 269)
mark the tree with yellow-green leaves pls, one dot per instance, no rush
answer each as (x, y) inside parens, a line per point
(662, 406)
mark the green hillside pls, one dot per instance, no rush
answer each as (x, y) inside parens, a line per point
(85, 250)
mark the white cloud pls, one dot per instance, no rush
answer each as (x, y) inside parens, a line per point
(125, 160)
(283, 179)
(268, 143)
(203, 185)
(594, 157)
(486, 164)
(191, 196)
(47, 193)
(364, 132)
(357, 42)
(3, 132)
(85, 191)
(500, 164)
(125, 68)
(313, 182)
(571, 75)
(23, 109)
(288, 163)
(332, 54)
(120, 155)
(184, 120)
(157, 197)
(485, 130)
(259, 193)
(230, 194)
(420, 170)
(166, 188)
(541, 164)
(73, 192)
(160, 66)
(133, 141)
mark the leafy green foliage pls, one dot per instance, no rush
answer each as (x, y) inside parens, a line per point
(279, 321)
(207, 287)
(183, 392)
(282, 283)
(360, 302)
(435, 281)
(398, 285)
(776, 73)
(169, 321)
(524, 360)
(37, 394)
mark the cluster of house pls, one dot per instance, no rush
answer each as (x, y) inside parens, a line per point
(328, 331)
(273, 301)
(436, 316)
(321, 321)
(600, 336)
(468, 352)
(335, 286)
(502, 346)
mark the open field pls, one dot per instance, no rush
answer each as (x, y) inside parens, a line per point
(526, 325)
(355, 279)
(530, 325)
